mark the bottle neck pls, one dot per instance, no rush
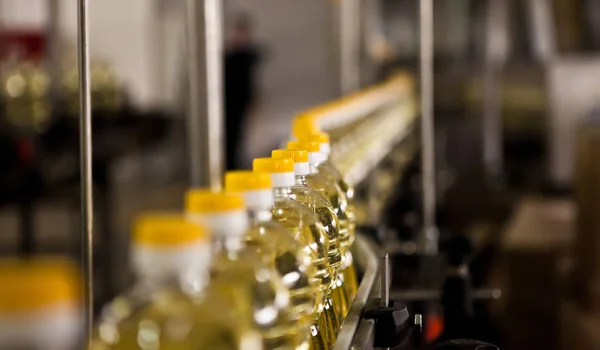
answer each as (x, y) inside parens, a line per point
(300, 180)
(282, 192)
(258, 215)
(314, 159)
(228, 228)
(185, 268)
(229, 244)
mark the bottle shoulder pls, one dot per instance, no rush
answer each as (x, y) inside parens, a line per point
(309, 197)
(271, 236)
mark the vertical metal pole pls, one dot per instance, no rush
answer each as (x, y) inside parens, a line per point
(384, 280)
(349, 41)
(85, 159)
(385, 283)
(495, 54)
(428, 239)
(205, 99)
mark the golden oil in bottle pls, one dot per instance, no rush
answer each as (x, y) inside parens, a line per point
(328, 191)
(170, 307)
(278, 245)
(240, 272)
(307, 229)
(324, 212)
(327, 180)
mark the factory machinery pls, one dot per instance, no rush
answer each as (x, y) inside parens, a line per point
(382, 140)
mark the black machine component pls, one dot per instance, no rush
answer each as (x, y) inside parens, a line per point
(465, 344)
(393, 324)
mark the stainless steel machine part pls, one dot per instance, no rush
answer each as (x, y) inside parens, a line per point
(428, 237)
(85, 161)
(204, 29)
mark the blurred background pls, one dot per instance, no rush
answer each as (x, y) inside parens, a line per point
(517, 106)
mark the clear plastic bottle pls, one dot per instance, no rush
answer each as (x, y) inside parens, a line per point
(277, 243)
(170, 306)
(326, 214)
(324, 178)
(40, 304)
(307, 229)
(240, 272)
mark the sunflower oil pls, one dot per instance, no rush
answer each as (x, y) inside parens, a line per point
(243, 274)
(277, 243)
(326, 179)
(326, 215)
(168, 307)
(305, 228)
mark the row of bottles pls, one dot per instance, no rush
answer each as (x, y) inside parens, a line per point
(264, 264)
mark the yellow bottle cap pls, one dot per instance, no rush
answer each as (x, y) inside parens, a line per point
(320, 137)
(245, 180)
(271, 166)
(166, 229)
(297, 155)
(207, 201)
(309, 146)
(304, 124)
(33, 284)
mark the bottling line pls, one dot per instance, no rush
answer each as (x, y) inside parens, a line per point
(386, 116)
(419, 272)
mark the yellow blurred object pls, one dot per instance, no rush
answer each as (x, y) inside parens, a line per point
(164, 229)
(206, 201)
(298, 155)
(270, 165)
(304, 124)
(319, 137)
(37, 283)
(309, 146)
(246, 180)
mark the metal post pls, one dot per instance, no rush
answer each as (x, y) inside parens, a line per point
(495, 54)
(428, 238)
(85, 159)
(205, 99)
(349, 41)
(384, 281)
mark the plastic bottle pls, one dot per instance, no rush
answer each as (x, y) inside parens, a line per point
(240, 272)
(305, 228)
(170, 306)
(40, 304)
(326, 183)
(326, 214)
(278, 244)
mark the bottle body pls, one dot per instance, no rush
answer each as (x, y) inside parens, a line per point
(251, 282)
(292, 263)
(337, 202)
(345, 211)
(319, 205)
(305, 228)
(166, 317)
